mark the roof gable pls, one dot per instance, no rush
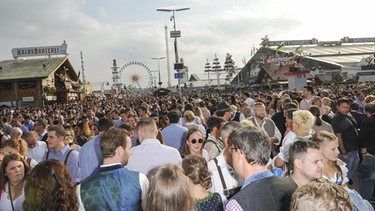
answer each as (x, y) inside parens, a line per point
(31, 68)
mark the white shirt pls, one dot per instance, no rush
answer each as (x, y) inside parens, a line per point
(231, 178)
(150, 154)
(287, 141)
(205, 155)
(284, 149)
(5, 204)
(250, 102)
(277, 133)
(39, 151)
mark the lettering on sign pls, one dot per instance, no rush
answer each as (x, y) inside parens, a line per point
(365, 39)
(5, 86)
(28, 99)
(276, 60)
(26, 84)
(39, 51)
(294, 42)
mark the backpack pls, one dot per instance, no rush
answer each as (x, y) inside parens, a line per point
(81, 140)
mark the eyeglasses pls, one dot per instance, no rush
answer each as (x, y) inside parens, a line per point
(232, 149)
(195, 141)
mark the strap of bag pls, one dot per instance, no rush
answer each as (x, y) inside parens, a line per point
(220, 174)
(217, 147)
(67, 156)
(47, 155)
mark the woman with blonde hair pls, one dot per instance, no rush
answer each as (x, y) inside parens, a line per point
(327, 106)
(302, 124)
(334, 169)
(19, 146)
(189, 117)
(198, 113)
(169, 190)
(303, 121)
(195, 168)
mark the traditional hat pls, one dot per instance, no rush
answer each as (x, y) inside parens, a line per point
(223, 107)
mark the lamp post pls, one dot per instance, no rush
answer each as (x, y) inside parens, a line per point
(175, 35)
(160, 83)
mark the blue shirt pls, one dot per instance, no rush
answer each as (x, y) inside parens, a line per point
(29, 125)
(41, 136)
(257, 176)
(90, 157)
(118, 122)
(25, 130)
(174, 135)
(72, 162)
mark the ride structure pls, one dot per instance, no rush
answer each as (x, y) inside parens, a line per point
(132, 77)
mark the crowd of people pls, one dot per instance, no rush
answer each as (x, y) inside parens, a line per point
(269, 149)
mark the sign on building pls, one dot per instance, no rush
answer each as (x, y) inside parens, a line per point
(179, 75)
(293, 42)
(40, 51)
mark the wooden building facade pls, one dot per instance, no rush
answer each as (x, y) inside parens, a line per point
(38, 82)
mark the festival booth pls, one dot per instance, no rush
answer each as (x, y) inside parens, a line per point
(39, 81)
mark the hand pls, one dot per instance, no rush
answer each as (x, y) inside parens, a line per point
(274, 140)
(345, 156)
(365, 155)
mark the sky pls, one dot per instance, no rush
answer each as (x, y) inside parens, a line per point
(133, 31)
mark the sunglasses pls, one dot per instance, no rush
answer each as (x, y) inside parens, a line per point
(195, 141)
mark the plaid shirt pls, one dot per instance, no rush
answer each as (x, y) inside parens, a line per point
(233, 205)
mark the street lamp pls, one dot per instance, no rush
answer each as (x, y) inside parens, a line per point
(175, 34)
(160, 83)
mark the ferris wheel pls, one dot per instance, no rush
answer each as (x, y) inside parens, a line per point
(136, 75)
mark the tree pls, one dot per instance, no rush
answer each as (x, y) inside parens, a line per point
(265, 41)
(229, 67)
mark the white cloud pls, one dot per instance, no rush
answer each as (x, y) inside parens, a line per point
(129, 30)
